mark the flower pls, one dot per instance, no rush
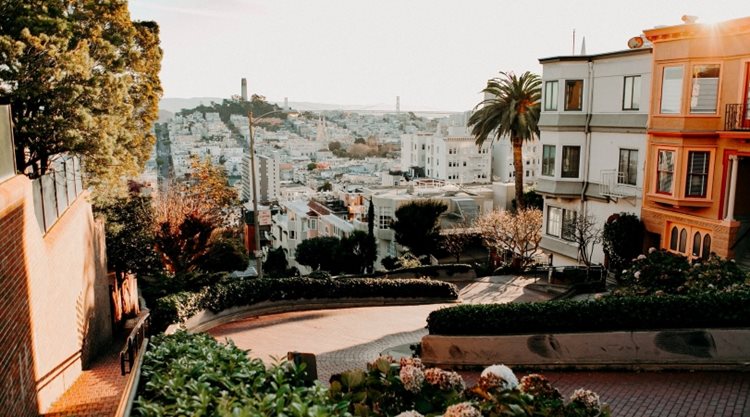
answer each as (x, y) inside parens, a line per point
(539, 386)
(498, 376)
(410, 413)
(586, 398)
(445, 380)
(416, 362)
(464, 409)
(412, 378)
(641, 257)
(651, 249)
(637, 274)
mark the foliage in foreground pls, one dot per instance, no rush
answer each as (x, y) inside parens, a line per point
(194, 375)
(407, 389)
(718, 309)
(233, 293)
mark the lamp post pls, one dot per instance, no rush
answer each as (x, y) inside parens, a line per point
(251, 139)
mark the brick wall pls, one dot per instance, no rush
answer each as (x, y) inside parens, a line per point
(58, 313)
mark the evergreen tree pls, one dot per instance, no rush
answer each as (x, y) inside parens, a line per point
(417, 226)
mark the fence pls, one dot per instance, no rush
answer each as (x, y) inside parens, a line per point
(56, 190)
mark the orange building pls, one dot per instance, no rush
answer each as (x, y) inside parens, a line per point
(696, 194)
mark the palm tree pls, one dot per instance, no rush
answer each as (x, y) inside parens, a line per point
(511, 107)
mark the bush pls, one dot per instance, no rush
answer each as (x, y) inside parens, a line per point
(233, 293)
(664, 272)
(622, 240)
(625, 313)
(192, 374)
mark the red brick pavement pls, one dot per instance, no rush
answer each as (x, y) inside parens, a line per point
(96, 392)
(663, 394)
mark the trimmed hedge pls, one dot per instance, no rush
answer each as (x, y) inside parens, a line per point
(709, 310)
(178, 307)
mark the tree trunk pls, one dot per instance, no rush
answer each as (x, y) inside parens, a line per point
(518, 169)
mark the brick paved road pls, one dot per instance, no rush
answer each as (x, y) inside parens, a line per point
(348, 338)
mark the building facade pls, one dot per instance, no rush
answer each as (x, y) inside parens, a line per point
(593, 144)
(697, 186)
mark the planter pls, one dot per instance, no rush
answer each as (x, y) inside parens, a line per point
(665, 349)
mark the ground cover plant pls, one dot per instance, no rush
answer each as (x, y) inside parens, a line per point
(178, 307)
(194, 375)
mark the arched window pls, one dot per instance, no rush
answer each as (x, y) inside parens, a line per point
(706, 247)
(697, 244)
(673, 239)
(683, 240)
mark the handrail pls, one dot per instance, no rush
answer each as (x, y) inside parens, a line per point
(131, 388)
(133, 344)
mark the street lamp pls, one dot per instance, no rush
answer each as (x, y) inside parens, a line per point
(251, 139)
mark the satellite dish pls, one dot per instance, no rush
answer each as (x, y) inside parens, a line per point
(635, 42)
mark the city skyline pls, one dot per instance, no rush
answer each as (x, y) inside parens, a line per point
(434, 55)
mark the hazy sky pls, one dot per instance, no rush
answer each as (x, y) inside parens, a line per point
(435, 54)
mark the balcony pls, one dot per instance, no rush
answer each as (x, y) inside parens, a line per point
(736, 117)
(614, 185)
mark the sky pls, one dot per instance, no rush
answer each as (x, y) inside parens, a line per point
(435, 54)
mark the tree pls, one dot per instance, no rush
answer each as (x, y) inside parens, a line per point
(586, 234)
(311, 166)
(224, 254)
(517, 233)
(327, 186)
(532, 199)
(358, 251)
(417, 225)
(360, 141)
(511, 108)
(622, 240)
(320, 253)
(276, 264)
(81, 78)
(455, 239)
(334, 146)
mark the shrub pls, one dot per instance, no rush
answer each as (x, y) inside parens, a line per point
(622, 240)
(625, 313)
(233, 293)
(390, 263)
(192, 374)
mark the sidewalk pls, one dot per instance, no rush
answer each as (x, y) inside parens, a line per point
(96, 392)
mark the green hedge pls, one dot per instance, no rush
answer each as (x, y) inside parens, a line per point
(605, 314)
(178, 307)
(194, 375)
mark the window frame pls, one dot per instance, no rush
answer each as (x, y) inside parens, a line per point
(705, 175)
(563, 226)
(550, 100)
(680, 93)
(693, 79)
(633, 90)
(628, 166)
(548, 161)
(657, 186)
(568, 173)
(568, 89)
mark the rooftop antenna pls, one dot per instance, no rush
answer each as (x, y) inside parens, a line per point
(583, 46)
(574, 42)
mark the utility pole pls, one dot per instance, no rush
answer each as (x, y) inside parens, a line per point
(256, 226)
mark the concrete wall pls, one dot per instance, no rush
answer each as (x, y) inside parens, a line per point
(677, 349)
(55, 312)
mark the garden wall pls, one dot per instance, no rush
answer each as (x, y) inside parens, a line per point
(673, 349)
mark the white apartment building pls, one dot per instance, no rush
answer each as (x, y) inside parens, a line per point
(452, 156)
(593, 143)
(502, 160)
(268, 180)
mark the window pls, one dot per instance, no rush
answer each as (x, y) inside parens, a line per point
(673, 238)
(627, 169)
(697, 174)
(573, 94)
(696, 244)
(671, 90)
(550, 95)
(548, 160)
(561, 223)
(570, 161)
(631, 95)
(683, 241)
(705, 89)
(706, 246)
(384, 219)
(665, 172)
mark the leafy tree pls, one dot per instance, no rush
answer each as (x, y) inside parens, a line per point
(129, 230)
(417, 226)
(81, 78)
(512, 108)
(182, 245)
(334, 146)
(360, 141)
(276, 264)
(224, 254)
(390, 263)
(311, 166)
(532, 199)
(622, 240)
(320, 253)
(455, 239)
(326, 186)
(517, 233)
(358, 252)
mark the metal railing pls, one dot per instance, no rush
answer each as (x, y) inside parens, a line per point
(735, 117)
(56, 190)
(130, 351)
